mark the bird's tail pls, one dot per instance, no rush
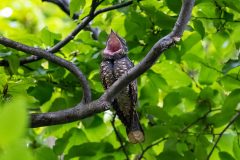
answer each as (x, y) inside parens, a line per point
(131, 121)
(134, 129)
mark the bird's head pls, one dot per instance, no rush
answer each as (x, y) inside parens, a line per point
(115, 48)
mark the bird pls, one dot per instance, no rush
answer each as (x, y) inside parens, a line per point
(115, 63)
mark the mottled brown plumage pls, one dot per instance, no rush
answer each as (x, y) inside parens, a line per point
(115, 63)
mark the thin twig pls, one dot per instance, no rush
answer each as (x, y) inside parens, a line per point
(150, 146)
(119, 137)
(234, 118)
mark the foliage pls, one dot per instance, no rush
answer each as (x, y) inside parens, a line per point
(185, 100)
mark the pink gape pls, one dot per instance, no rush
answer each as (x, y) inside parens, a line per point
(113, 45)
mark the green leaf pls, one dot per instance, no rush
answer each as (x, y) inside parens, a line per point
(14, 63)
(230, 65)
(228, 110)
(191, 41)
(44, 153)
(95, 125)
(71, 138)
(170, 155)
(171, 101)
(225, 156)
(18, 151)
(207, 75)
(58, 104)
(42, 92)
(200, 151)
(49, 38)
(154, 133)
(13, 117)
(198, 25)
(230, 83)
(236, 148)
(175, 6)
(152, 8)
(230, 4)
(89, 150)
(172, 73)
(75, 6)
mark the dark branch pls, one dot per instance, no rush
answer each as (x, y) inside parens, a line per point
(69, 115)
(45, 54)
(102, 104)
(234, 118)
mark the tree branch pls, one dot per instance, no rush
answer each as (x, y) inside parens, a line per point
(103, 103)
(57, 60)
(234, 118)
(85, 21)
(80, 111)
(72, 35)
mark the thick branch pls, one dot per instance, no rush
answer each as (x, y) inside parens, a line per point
(45, 54)
(69, 115)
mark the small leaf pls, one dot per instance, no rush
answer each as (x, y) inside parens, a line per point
(75, 6)
(198, 25)
(14, 63)
(225, 156)
(13, 118)
(45, 153)
(175, 6)
(48, 37)
(236, 148)
(42, 92)
(230, 65)
(207, 75)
